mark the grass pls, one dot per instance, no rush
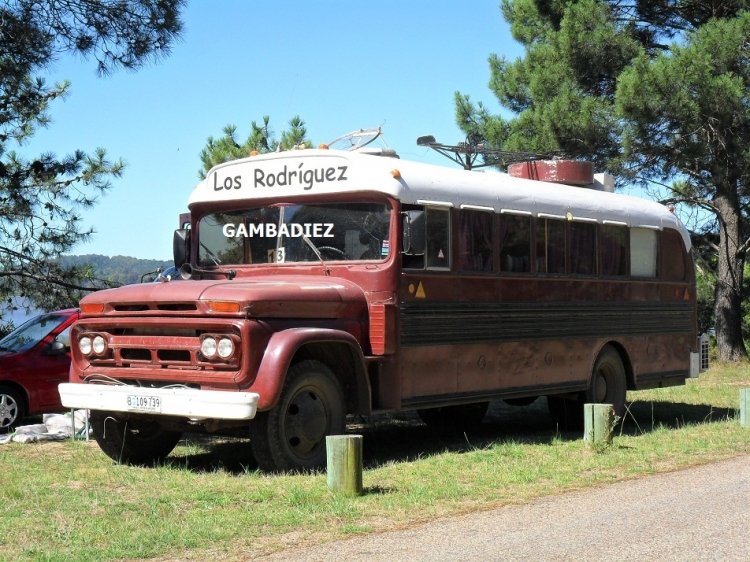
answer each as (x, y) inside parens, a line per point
(67, 501)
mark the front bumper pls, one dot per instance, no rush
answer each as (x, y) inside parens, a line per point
(184, 402)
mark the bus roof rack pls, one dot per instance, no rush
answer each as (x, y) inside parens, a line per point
(466, 153)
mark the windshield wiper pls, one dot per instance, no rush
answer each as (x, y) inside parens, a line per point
(315, 250)
(214, 257)
(187, 272)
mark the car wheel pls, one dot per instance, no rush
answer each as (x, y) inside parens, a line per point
(12, 409)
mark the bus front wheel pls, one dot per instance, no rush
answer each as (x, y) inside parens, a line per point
(606, 386)
(132, 441)
(292, 435)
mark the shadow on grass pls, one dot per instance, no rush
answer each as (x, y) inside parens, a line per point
(403, 437)
(644, 416)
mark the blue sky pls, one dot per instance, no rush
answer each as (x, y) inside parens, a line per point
(340, 65)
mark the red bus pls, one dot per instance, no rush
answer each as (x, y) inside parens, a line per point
(323, 283)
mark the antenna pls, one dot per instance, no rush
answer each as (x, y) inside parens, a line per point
(465, 153)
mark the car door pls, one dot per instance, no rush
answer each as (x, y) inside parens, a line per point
(44, 367)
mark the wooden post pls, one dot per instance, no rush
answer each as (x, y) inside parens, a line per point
(344, 459)
(745, 407)
(598, 424)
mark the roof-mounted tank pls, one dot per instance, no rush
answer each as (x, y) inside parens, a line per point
(579, 173)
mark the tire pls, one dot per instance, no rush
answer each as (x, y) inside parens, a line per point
(132, 441)
(291, 436)
(454, 419)
(12, 409)
(607, 385)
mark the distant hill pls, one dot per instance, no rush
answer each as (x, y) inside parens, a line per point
(122, 270)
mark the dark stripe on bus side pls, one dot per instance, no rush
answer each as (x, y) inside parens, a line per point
(425, 323)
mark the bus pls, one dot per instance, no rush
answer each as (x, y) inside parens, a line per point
(317, 284)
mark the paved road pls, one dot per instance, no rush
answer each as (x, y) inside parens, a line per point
(700, 513)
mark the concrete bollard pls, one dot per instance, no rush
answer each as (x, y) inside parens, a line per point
(344, 464)
(598, 424)
(745, 407)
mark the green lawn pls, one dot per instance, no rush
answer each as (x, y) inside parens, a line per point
(67, 501)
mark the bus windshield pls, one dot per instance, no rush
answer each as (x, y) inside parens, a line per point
(293, 233)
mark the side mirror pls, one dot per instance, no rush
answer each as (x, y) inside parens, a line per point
(55, 348)
(414, 233)
(181, 246)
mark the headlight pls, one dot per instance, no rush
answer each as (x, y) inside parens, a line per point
(208, 347)
(99, 345)
(225, 348)
(84, 345)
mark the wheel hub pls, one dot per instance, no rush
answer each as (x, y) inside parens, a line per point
(8, 411)
(305, 422)
(600, 388)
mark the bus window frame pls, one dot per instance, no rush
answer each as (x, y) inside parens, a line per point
(625, 275)
(558, 220)
(570, 250)
(494, 242)
(428, 210)
(657, 253)
(531, 270)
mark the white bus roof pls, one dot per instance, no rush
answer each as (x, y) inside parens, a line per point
(312, 172)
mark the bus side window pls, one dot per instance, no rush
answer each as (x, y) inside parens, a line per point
(550, 245)
(413, 233)
(475, 241)
(515, 243)
(613, 250)
(643, 252)
(672, 256)
(437, 253)
(583, 248)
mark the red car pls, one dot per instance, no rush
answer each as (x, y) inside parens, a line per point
(34, 359)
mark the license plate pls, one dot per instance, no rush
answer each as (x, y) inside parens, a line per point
(144, 403)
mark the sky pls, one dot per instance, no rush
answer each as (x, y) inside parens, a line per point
(340, 66)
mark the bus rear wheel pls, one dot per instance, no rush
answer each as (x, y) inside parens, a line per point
(132, 441)
(606, 386)
(292, 435)
(454, 418)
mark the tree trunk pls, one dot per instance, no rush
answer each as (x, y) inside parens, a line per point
(728, 311)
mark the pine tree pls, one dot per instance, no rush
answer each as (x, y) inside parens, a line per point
(41, 198)
(260, 140)
(655, 92)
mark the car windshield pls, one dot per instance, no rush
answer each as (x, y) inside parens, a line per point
(28, 334)
(285, 233)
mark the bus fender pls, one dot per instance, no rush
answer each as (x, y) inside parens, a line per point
(280, 352)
